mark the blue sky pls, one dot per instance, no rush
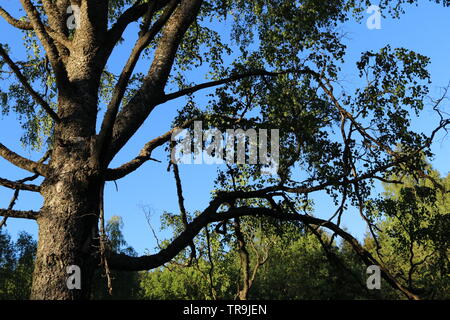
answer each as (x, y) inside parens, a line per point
(423, 29)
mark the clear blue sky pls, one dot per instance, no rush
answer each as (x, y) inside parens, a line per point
(423, 29)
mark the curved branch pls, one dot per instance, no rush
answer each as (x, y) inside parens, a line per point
(25, 25)
(23, 163)
(23, 80)
(46, 40)
(19, 24)
(124, 262)
(119, 91)
(233, 78)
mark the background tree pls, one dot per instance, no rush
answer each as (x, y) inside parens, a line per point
(122, 285)
(414, 219)
(16, 266)
(413, 240)
(283, 74)
(297, 267)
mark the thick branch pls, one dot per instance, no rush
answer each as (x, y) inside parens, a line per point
(54, 16)
(33, 215)
(124, 78)
(22, 162)
(133, 115)
(23, 25)
(123, 262)
(46, 40)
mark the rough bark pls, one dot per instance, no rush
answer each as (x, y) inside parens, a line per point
(68, 224)
(67, 230)
(68, 220)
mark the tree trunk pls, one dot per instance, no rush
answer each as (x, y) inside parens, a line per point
(67, 237)
(68, 220)
(245, 260)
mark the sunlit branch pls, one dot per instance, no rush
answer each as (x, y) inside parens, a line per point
(20, 24)
(46, 40)
(134, 113)
(119, 91)
(33, 215)
(21, 162)
(130, 15)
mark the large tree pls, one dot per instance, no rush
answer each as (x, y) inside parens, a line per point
(285, 58)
